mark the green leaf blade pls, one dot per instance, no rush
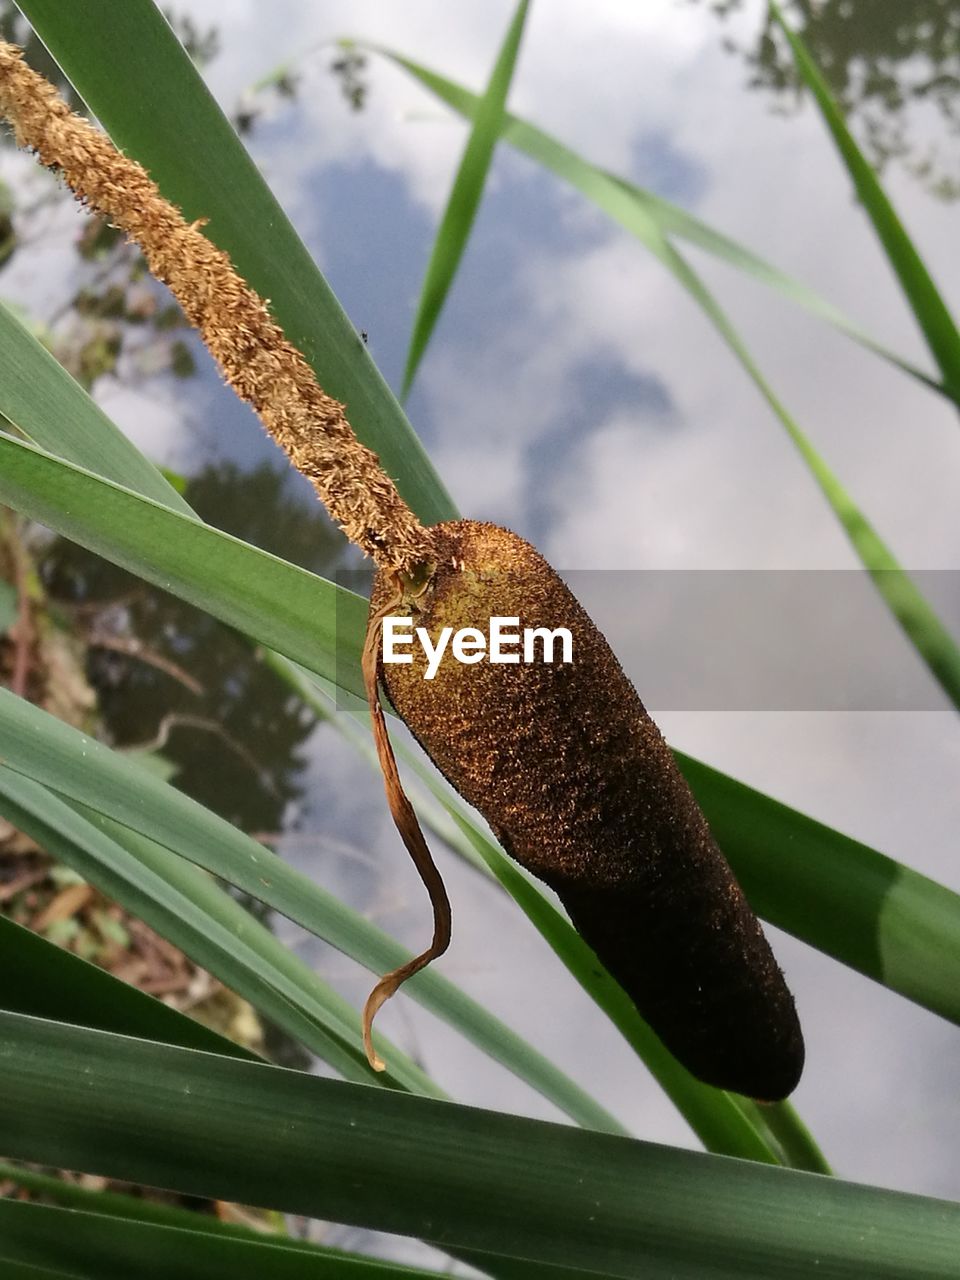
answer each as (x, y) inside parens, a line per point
(44, 981)
(872, 913)
(925, 300)
(644, 214)
(89, 1243)
(195, 914)
(211, 928)
(296, 612)
(464, 199)
(39, 396)
(455, 1176)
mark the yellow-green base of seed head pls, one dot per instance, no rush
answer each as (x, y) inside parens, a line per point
(579, 786)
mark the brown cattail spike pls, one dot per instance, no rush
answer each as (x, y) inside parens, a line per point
(234, 322)
(564, 762)
(579, 786)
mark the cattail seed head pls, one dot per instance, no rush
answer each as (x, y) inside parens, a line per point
(580, 787)
(563, 761)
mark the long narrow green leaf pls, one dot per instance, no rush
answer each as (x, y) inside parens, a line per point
(931, 312)
(45, 981)
(678, 222)
(197, 916)
(43, 749)
(462, 1178)
(465, 195)
(639, 211)
(117, 1204)
(96, 1246)
(931, 639)
(39, 396)
(109, 50)
(287, 608)
(25, 1271)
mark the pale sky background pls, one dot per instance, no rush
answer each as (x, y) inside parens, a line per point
(573, 393)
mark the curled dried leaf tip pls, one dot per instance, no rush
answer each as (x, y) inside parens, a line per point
(257, 361)
(409, 828)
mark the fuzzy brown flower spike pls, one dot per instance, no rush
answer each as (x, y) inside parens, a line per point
(256, 360)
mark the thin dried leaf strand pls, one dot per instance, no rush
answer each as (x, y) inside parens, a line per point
(410, 832)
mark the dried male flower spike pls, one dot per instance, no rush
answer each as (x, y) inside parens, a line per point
(579, 786)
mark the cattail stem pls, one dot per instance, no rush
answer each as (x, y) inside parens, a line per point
(256, 359)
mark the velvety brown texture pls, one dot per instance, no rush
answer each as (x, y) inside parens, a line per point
(580, 788)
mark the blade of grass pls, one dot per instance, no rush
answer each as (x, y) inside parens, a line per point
(931, 639)
(463, 1178)
(638, 210)
(929, 309)
(94, 1245)
(465, 195)
(109, 50)
(39, 396)
(873, 913)
(190, 909)
(46, 981)
(287, 608)
(24, 1271)
(117, 1204)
